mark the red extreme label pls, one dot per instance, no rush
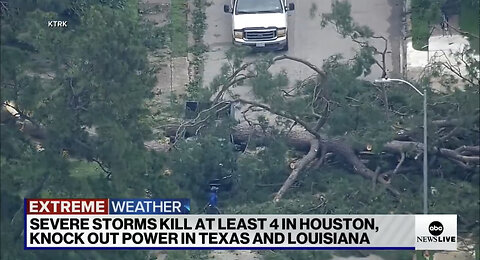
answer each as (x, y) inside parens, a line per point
(67, 206)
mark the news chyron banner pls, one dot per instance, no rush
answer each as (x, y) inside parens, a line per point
(166, 224)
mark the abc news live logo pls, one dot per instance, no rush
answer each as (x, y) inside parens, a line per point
(436, 229)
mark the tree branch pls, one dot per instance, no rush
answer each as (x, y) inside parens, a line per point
(375, 177)
(310, 65)
(231, 81)
(283, 114)
(314, 146)
(461, 31)
(108, 172)
(402, 158)
(468, 150)
(462, 158)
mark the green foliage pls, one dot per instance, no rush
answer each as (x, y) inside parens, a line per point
(235, 57)
(266, 85)
(195, 163)
(449, 198)
(341, 18)
(195, 91)
(390, 255)
(425, 13)
(420, 255)
(178, 28)
(296, 255)
(260, 174)
(350, 97)
(187, 255)
(199, 26)
(85, 87)
(76, 255)
(358, 113)
(462, 106)
(154, 37)
(469, 17)
(334, 191)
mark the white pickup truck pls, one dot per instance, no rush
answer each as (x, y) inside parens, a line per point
(260, 23)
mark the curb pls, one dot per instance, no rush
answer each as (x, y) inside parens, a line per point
(191, 41)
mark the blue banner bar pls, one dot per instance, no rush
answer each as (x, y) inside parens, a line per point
(149, 206)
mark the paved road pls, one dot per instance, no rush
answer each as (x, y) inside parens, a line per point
(307, 39)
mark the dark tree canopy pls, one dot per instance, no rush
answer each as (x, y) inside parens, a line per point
(78, 100)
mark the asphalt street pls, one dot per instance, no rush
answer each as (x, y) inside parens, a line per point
(307, 40)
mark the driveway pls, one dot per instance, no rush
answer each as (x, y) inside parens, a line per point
(307, 40)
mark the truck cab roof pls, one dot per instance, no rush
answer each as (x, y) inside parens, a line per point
(256, 6)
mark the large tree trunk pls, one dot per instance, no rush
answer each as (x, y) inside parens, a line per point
(468, 156)
(297, 138)
(301, 140)
(346, 151)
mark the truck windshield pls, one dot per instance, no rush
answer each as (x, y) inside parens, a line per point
(256, 6)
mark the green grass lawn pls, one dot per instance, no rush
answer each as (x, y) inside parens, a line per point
(425, 13)
(422, 17)
(80, 172)
(178, 28)
(420, 32)
(469, 21)
(83, 169)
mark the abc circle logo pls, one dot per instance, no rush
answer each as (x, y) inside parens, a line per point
(435, 228)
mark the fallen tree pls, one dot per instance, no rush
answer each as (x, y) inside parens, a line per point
(303, 134)
(319, 97)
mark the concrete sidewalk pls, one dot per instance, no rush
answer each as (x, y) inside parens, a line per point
(172, 75)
